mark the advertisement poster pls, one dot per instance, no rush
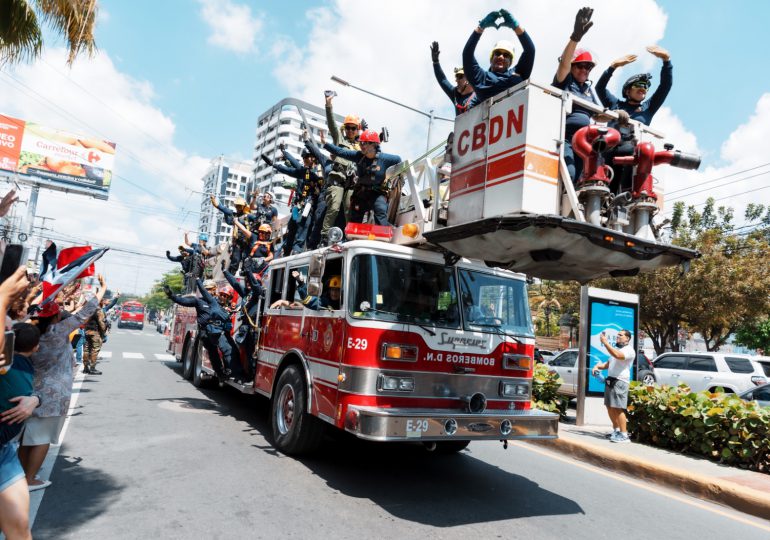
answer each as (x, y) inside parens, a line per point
(62, 160)
(609, 317)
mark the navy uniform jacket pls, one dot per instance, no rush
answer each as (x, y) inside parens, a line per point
(488, 83)
(207, 308)
(371, 172)
(459, 100)
(644, 111)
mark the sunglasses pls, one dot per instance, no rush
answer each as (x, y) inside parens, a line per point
(460, 76)
(643, 85)
(351, 128)
(584, 65)
(503, 54)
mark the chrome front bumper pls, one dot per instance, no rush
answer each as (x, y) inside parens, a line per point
(431, 425)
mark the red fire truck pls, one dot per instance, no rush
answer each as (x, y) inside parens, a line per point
(433, 340)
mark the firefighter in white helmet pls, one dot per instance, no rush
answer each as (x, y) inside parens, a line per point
(500, 75)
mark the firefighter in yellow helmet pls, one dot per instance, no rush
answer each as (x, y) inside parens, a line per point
(501, 74)
(239, 243)
(461, 94)
(331, 298)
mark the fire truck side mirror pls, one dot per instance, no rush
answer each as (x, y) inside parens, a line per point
(316, 268)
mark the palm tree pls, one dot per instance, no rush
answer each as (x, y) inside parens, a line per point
(21, 36)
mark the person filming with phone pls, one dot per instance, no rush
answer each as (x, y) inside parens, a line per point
(618, 367)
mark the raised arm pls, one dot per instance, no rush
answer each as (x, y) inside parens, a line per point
(343, 152)
(174, 258)
(241, 227)
(334, 131)
(234, 283)
(204, 293)
(311, 145)
(666, 78)
(527, 61)
(582, 24)
(443, 82)
(292, 160)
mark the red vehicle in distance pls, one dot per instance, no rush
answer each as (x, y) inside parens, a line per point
(131, 314)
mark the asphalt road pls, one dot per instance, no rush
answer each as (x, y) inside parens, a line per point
(147, 455)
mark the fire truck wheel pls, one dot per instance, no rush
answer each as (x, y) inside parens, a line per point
(295, 431)
(188, 358)
(450, 447)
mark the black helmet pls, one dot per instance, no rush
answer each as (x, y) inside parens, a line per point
(306, 153)
(639, 77)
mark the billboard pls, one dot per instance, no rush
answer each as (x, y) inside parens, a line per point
(56, 159)
(608, 313)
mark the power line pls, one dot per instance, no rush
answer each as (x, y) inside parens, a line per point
(722, 178)
(715, 187)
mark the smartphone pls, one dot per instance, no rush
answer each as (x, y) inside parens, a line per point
(11, 260)
(10, 339)
(330, 93)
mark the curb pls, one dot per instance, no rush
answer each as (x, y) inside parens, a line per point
(741, 498)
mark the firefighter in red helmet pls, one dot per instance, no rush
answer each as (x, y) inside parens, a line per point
(575, 65)
(371, 191)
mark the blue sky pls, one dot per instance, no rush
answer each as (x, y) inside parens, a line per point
(179, 82)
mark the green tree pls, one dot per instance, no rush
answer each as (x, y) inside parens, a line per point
(157, 298)
(755, 335)
(21, 34)
(725, 287)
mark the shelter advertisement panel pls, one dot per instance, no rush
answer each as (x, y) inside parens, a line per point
(59, 159)
(608, 313)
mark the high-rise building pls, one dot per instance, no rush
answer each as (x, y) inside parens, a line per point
(226, 179)
(283, 122)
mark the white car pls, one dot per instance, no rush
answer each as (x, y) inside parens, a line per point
(764, 363)
(708, 370)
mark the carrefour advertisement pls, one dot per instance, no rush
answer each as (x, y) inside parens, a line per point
(608, 317)
(61, 160)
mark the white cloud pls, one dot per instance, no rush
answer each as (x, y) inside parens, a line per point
(96, 99)
(398, 65)
(232, 26)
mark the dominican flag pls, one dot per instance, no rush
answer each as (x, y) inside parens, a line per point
(73, 263)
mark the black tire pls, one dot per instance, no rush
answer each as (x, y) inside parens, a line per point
(198, 379)
(647, 377)
(295, 431)
(450, 447)
(188, 359)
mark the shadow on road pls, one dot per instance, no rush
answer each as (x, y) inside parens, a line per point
(403, 479)
(78, 494)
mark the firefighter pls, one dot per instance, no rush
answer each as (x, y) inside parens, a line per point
(371, 191)
(634, 106)
(261, 247)
(460, 94)
(251, 293)
(342, 176)
(500, 75)
(331, 298)
(213, 321)
(183, 258)
(309, 186)
(239, 244)
(635, 89)
(315, 235)
(263, 209)
(572, 75)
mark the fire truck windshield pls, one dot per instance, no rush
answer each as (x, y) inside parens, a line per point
(494, 304)
(404, 290)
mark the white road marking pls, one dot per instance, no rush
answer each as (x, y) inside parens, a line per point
(164, 356)
(105, 354)
(133, 355)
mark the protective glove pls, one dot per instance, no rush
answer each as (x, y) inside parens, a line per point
(490, 21)
(282, 146)
(434, 52)
(364, 125)
(168, 253)
(623, 117)
(582, 23)
(267, 160)
(508, 20)
(167, 291)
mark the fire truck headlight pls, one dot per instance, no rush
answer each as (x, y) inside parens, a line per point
(513, 389)
(517, 361)
(391, 383)
(399, 352)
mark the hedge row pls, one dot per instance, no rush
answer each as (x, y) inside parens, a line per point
(545, 386)
(721, 427)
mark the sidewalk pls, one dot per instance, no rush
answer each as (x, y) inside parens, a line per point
(746, 491)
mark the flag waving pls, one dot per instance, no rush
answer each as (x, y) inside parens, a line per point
(73, 263)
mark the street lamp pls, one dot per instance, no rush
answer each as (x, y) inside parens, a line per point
(428, 114)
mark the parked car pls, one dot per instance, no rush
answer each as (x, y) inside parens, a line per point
(760, 394)
(764, 363)
(543, 356)
(565, 364)
(709, 370)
